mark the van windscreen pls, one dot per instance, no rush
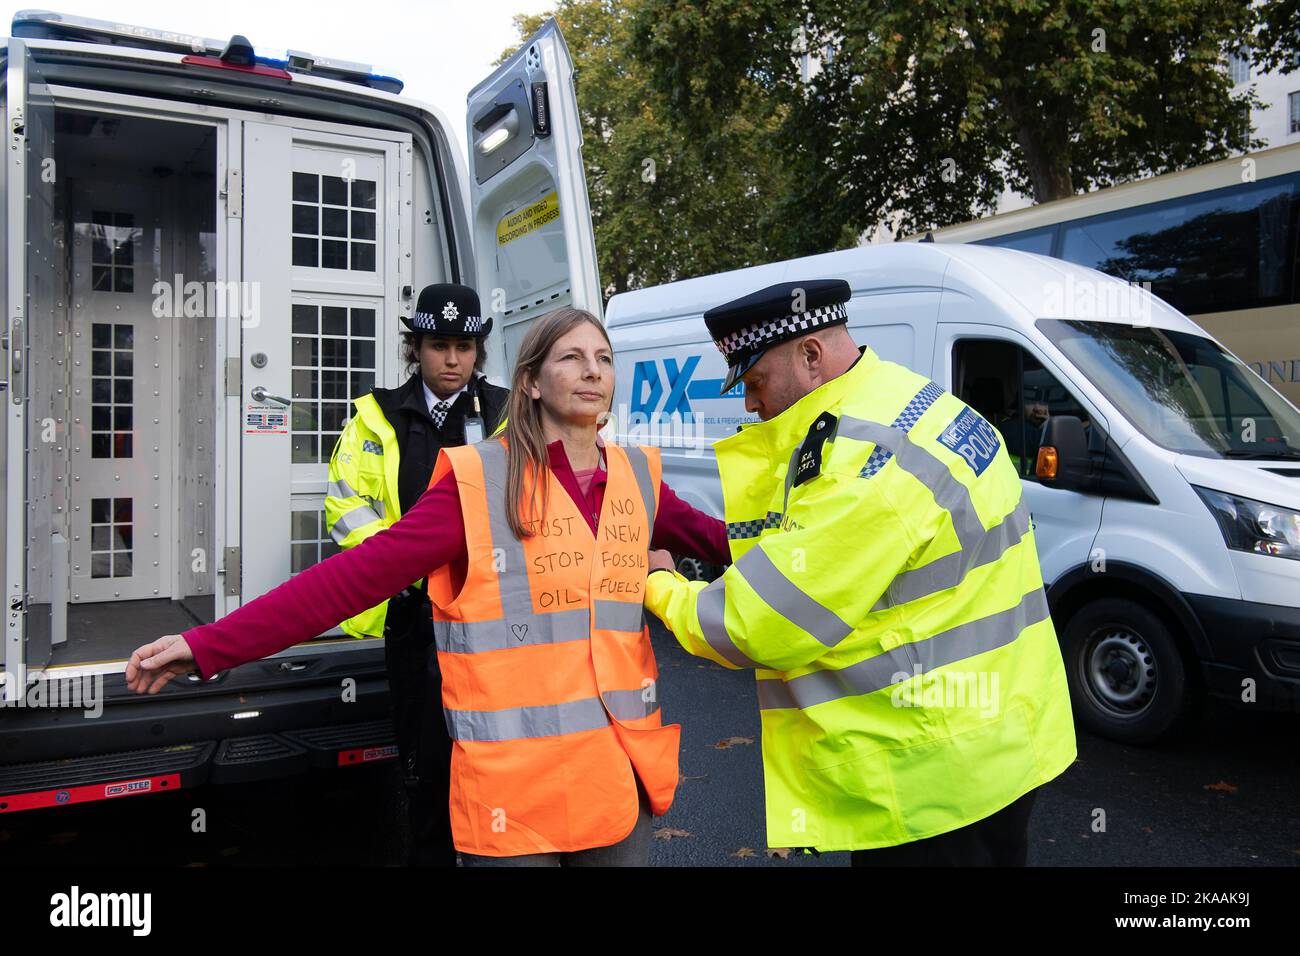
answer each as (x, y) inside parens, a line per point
(1183, 391)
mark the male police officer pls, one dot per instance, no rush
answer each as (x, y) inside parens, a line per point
(886, 589)
(380, 467)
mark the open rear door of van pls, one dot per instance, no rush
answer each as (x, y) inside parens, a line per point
(533, 238)
(35, 597)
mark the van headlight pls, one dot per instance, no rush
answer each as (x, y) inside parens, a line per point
(1254, 526)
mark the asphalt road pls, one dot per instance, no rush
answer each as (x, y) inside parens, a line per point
(1227, 794)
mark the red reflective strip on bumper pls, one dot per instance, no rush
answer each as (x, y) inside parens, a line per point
(85, 794)
(367, 754)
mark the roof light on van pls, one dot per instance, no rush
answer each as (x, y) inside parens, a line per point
(45, 25)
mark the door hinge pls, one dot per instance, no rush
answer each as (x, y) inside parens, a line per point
(233, 193)
(230, 568)
(233, 384)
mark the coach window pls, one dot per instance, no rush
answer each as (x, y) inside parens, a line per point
(1010, 388)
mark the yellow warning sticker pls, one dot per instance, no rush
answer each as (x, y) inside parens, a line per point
(533, 216)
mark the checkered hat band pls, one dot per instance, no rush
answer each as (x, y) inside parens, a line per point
(429, 321)
(780, 328)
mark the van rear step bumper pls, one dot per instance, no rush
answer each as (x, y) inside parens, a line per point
(55, 783)
(343, 746)
(31, 786)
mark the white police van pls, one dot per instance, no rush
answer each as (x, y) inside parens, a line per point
(207, 253)
(1170, 533)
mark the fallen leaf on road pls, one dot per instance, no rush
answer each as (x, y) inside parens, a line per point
(1222, 785)
(782, 852)
(743, 852)
(732, 741)
(1147, 830)
(667, 833)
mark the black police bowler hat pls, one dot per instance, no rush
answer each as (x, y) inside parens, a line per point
(743, 329)
(449, 309)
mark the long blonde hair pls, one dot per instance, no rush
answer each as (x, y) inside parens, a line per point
(527, 444)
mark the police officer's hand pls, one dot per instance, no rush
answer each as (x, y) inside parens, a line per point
(661, 561)
(152, 665)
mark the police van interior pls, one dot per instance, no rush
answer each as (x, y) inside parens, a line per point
(207, 253)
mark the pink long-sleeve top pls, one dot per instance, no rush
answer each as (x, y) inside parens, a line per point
(428, 536)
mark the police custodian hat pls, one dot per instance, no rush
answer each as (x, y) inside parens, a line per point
(743, 329)
(449, 309)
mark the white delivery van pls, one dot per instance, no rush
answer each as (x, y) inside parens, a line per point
(1170, 536)
(206, 255)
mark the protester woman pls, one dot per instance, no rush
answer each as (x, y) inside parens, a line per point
(535, 548)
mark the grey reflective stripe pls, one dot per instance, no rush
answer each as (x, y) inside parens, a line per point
(711, 608)
(631, 704)
(949, 493)
(358, 517)
(893, 666)
(512, 576)
(641, 468)
(341, 489)
(619, 616)
(515, 723)
(476, 637)
(788, 600)
(950, 570)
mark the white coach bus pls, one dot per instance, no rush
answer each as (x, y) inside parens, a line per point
(1218, 243)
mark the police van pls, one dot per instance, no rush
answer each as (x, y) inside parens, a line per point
(207, 253)
(1162, 473)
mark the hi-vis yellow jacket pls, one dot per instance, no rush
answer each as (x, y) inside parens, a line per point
(362, 498)
(887, 590)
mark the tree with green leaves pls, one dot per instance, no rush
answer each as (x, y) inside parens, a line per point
(923, 112)
(1276, 43)
(667, 203)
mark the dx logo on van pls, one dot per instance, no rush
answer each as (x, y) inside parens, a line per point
(677, 383)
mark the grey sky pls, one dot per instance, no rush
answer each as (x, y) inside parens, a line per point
(440, 48)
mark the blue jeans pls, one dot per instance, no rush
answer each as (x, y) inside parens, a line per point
(632, 850)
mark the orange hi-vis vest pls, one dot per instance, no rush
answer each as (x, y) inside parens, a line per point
(549, 682)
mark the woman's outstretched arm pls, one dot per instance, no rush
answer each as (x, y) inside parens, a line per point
(428, 536)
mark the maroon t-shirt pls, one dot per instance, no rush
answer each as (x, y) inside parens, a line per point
(428, 536)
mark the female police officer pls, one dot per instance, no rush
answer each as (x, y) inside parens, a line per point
(380, 467)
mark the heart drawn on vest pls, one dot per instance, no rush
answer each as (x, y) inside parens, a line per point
(521, 631)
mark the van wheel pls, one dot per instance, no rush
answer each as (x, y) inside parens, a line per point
(1127, 676)
(692, 569)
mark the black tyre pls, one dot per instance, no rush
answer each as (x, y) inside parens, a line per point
(1128, 679)
(693, 569)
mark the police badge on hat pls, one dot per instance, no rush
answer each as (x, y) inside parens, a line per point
(745, 328)
(449, 309)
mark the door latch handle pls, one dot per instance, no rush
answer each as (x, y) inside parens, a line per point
(261, 395)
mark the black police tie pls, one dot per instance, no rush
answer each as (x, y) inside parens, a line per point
(439, 413)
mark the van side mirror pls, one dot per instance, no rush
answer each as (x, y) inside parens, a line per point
(1063, 460)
